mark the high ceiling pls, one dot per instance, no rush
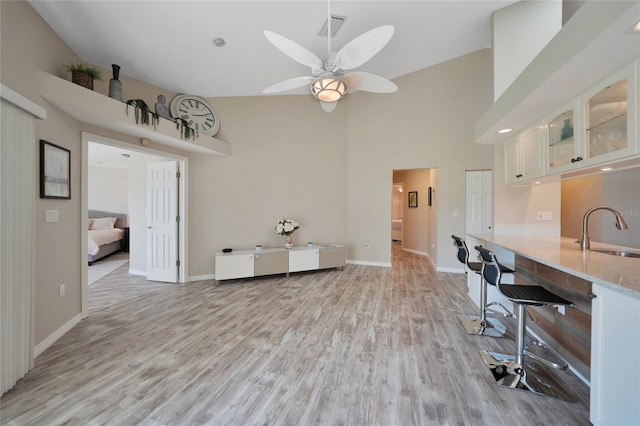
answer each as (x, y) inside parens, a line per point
(170, 43)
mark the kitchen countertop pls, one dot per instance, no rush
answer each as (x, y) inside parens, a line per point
(621, 274)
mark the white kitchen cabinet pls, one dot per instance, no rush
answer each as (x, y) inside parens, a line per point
(615, 358)
(524, 155)
(565, 140)
(234, 265)
(304, 260)
(611, 118)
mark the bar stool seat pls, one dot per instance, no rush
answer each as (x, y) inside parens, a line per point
(513, 371)
(481, 325)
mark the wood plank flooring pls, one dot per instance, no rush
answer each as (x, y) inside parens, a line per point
(360, 346)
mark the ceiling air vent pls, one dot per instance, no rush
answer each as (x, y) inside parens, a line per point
(336, 23)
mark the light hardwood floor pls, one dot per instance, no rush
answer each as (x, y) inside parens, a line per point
(363, 346)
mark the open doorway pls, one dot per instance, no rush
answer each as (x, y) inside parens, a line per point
(396, 212)
(415, 219)
(135, 210)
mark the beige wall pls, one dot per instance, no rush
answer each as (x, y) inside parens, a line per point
(331, 172)
(617, 189)
(428, 123)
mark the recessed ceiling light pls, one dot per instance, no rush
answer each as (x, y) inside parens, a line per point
(606, 169)
(505, 131)
(636, 28)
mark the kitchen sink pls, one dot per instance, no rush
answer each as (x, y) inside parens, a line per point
(622, 253)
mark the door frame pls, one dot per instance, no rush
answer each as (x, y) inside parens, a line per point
(183, 202)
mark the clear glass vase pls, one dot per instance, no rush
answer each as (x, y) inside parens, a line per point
(288, 241)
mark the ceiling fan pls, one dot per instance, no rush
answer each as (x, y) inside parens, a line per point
(329, 81)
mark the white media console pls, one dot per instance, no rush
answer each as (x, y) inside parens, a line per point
(269, 261)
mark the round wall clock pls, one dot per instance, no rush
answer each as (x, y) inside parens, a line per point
(197, 112)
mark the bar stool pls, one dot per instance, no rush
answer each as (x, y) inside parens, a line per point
(511, 370)
(481, 326)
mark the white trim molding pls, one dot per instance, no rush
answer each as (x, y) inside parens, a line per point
(21, 102)
(46, 343)
(367, 263)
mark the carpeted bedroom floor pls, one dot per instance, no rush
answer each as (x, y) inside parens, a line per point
(107, 265)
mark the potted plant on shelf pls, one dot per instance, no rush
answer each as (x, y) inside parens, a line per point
(83, 74)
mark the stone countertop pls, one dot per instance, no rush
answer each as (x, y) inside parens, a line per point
(618, 273)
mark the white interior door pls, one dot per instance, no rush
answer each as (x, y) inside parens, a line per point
(162, 221)
(479, 203)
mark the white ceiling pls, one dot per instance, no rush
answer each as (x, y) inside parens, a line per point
(170, 43)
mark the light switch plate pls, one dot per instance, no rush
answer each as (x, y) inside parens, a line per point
(51, 216)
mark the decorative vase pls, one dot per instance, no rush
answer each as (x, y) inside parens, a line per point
(82, 79)
(288, 241)
(115, 85)
(567, 130)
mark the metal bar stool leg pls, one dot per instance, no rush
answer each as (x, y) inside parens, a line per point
(523, 371)
(474, 325)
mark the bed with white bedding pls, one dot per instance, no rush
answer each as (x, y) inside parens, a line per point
(105, 234)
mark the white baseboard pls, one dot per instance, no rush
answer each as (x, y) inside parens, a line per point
(202, 277)
(136, 272)
(421, 253)
(452, 270)
(46, 343)
(366, 263)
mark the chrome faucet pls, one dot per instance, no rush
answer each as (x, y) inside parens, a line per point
(584, 241)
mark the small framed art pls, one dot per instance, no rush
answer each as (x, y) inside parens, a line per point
(55, 171)
(413, 199)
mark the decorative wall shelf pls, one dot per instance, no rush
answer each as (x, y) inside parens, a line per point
(594, 43)
(94, 108)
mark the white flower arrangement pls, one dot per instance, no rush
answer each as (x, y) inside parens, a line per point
(286, 227)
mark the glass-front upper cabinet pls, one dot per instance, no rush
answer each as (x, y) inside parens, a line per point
(610, 114)
(561, 139)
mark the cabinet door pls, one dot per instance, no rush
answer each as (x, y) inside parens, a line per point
(333, 257)
(230, 266)
(271, 263)
(511, 161)
(611, 118)
(303, 260)
(615, 351)
(564, 147)
(532, 152)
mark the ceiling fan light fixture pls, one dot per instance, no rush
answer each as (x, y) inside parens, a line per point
(329, 89)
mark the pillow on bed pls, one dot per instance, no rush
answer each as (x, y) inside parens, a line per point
(103, 223)
(90, 222)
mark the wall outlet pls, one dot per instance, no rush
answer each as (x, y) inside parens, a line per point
(367, 245)
(456, 213)
(545, 216)
(61, 290)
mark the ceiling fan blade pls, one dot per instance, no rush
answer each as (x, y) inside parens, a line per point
(292, 83)
(328, 106)
(364, 47)
(294, 50)
(368, 82)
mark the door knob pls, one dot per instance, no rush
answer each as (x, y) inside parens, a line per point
(148, 227)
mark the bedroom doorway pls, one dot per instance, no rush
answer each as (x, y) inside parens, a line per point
(136, 211)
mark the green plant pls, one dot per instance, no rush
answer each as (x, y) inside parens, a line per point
(95, 73)
(186, 132)
(143, 114)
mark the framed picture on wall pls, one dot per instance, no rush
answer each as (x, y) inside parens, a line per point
(413, 199)
(55, 171)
